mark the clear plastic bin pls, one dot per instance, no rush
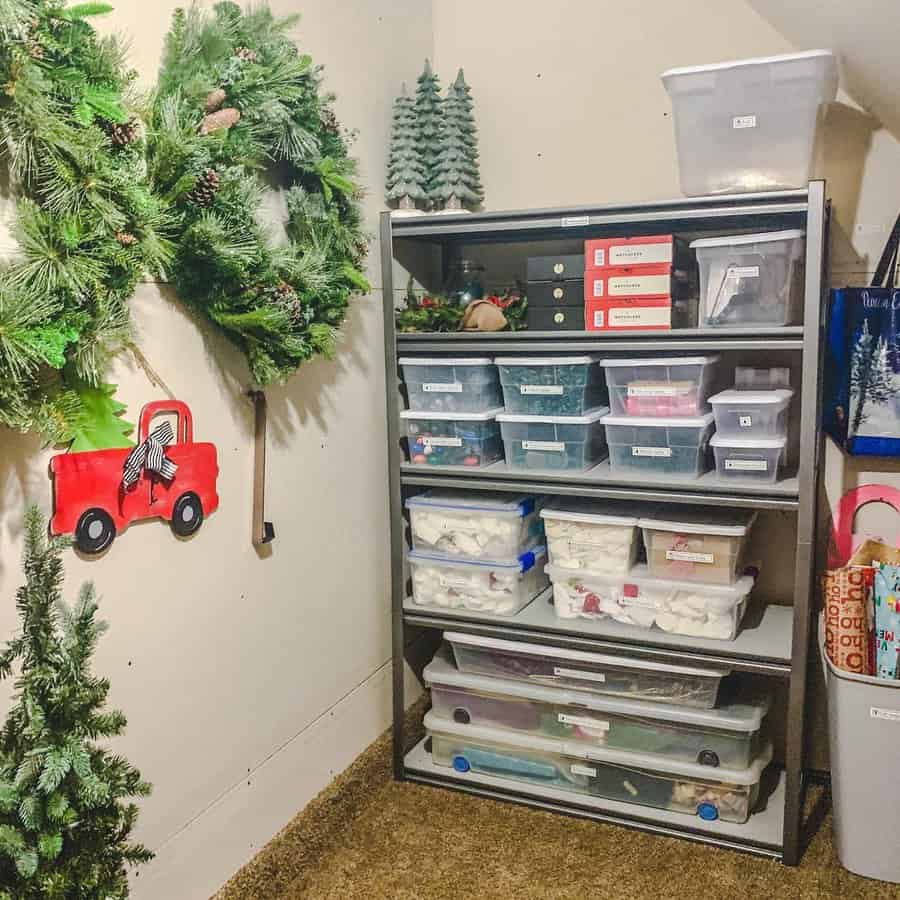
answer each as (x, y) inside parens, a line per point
(751, 279)
(668, 387)
(453, 439)
(573, 443)
(551, 385)
(641, 778)
(749, 459)
(751, 414)
(475, 525)
(749, 125)
(501, 588)
(451, 385)
(697, 544)
(620, 676)
(678, 607)
(747, 378)
(726, 736)
(646, 446)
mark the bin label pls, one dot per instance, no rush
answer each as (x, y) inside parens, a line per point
(446, 387)
(687, 556)
(578, 769)
(878, 712)
(552, 446)
(655, 390)
(582, 722)
(743, 272)
(652, 451)
(549, 390)
(745, 421)
(575, 221)
(747, 465)
(442, 441)
(577, 673)
(743, 122)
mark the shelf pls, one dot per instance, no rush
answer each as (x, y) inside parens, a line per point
(601, 482)
(761, 834)
(763, 645)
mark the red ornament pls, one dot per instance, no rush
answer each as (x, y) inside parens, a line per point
(591, 604)
(428, 302)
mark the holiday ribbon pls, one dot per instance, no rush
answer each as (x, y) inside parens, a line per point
(151, 455)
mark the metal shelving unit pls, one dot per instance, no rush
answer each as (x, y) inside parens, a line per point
(775, 639)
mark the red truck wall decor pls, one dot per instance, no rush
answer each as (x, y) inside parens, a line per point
(98, 493)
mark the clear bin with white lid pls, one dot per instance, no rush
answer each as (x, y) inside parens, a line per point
(475, 525)
(726, 736)
(751, 279)
(749, 124)
(711, 611)
(453, 438)
(451, 384)
(500, 587)
(697, 543)
(651, 446)
(551, 385)
(751, 414)
(640, 778)
(666, 386)
(572, 443)
(749, 459)
(620, 676)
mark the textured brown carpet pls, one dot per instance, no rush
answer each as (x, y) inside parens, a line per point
(367, 837)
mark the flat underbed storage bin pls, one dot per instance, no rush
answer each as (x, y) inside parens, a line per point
(551, 385)
(475, 525)
(453, 439)
(751, 279)
(435, 384)
(678, 607)
(497, 587)
(646, 446)
(749, 459)
(697, 544)
(727, 794)
(620, 676)
(751, 414)
(665, 386)
(572, 443)
(726, 736)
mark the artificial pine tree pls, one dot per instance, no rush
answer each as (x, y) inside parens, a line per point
(429, 120)
(65, 815)
(456, 182)
(406, 174)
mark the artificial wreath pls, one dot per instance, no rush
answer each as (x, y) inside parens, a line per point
(239, 107)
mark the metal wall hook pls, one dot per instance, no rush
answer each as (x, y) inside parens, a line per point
(262, 532)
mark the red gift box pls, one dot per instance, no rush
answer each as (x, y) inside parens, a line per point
(633, 281)
(653, 249)
(628, 314)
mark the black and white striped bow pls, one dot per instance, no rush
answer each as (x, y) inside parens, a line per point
(151, 455)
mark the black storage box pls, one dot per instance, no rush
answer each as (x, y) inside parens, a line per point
(548, 318)
(556, 293)
(555, 268)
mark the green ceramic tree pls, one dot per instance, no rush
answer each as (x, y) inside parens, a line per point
(406, 174)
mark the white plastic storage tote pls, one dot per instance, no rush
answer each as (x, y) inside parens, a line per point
(572, 443)
(751, 414)
(640, 778)
(551, 385)
(453, 438)
(726, 736)
(458, 384)
(666, 387)
(749, 459)
(749, 125)
(649, 446)
(599, 673)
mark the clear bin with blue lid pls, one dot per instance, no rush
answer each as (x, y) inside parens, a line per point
(723, 793)
(453, 438)
(572, 443)
(664, 446)
(475, 525)
(749, 458)
(451, 384)
(500, 587)
(551, 385)
(726, 736)
(751, 414)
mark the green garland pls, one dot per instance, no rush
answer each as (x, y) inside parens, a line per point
(87, 226)
(238, 106)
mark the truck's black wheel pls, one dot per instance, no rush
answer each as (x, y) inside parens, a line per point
(95, 531)
(187, 514)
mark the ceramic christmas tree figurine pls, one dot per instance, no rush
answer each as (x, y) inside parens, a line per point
(456, 183)
(429, 120)
(407, 178)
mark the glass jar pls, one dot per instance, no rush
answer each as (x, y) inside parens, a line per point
(463, 283)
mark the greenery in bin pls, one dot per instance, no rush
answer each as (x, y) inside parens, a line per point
(578, 396)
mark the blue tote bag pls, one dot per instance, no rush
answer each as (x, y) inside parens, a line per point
(862, 364)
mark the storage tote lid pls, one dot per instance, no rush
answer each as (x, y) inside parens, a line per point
(780, 396)
(627, 759)
(594, 512)
(444, 361)
(704, 520)
(545, 360)
(745, 716)
(593, 415)
(525, 562)
(739, 239)
(517, 506)
(703, 421)
(753, 61)
(661, 361)
(443, 416)
(749, 443)
(622, 662)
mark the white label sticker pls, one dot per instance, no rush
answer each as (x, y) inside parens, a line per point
(747, 465)
(575, 673)
(582, 722)
(442, 441)
(630, 254)
(655, 390)
(879, 712)
(743, 122)
(637, 600)
(706, 559)
(598, 287)
(745, 421)
(661, 452)
(636, 316)
(553, 446)
(743, 272)
(600, 258)
(578, 769)
(575, 221)
(452, 581)
(598, 318)
(639, 285)
(550, 390)
(449, 387)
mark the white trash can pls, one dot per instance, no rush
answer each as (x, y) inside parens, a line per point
(864, 737)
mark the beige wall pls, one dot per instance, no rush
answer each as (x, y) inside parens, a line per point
(249, 682)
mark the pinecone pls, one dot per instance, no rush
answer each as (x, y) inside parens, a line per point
(223, 118)
(125, 238)
(286, 298)
(245, 54)
(122, 134)
(330, 120)
(35, 50)
(205, 189)
(214, 99)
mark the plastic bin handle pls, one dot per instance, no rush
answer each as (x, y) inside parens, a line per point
(841, 546)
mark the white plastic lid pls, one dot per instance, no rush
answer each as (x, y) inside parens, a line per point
(781, 396)
(749, 443)
(445, 361)
(588, 418)
(599, 659)
(754, 61)
(545, 360)
(662, 361)
(737, 239)
(661, 422)
(487, 416)
(628, 759)
(704, 520)
(745, 717)
(593, 512)
(498, 504)
(526, 561)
